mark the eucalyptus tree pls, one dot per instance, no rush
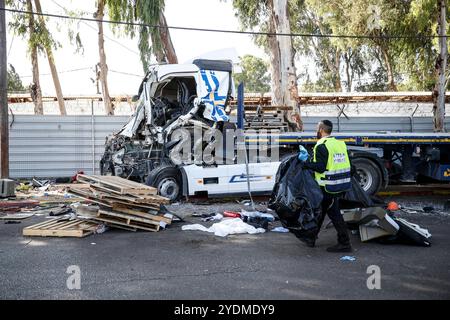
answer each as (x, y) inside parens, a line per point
(154, 36)
(25, 26)
(272, 16)
(49, 44)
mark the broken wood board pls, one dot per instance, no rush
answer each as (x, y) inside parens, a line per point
(123, 209)
(61, 228)
(18, 204)
(118, 184)
(17, 216)
(86, 194)
(102, 194)
(108, 201)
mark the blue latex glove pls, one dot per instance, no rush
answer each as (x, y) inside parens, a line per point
(302, 154)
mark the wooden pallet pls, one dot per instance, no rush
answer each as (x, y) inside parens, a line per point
(106, 197)
(134, 222)
(61, 228)
(117, 184)
(143, 214)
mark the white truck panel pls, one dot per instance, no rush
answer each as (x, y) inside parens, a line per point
(230, 179)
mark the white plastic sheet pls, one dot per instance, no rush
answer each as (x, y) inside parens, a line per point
(225, 228)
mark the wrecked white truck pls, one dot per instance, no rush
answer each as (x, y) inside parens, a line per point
(178, 96)
(193, 97)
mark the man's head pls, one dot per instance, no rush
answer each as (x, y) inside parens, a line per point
(324, 128)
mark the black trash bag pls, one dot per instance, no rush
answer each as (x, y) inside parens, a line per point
(296, 197)
(356, 197)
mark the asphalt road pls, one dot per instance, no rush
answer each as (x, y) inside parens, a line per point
(175, 264)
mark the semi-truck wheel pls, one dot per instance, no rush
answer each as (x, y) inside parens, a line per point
(368, 174)
(167, 181)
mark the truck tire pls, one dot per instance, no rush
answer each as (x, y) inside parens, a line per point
(368, 174)
(168, 182)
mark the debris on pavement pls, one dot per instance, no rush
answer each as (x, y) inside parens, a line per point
(16, 216)
(226, 227)
(257, 214)
(376, 224)
(60, 210)
(7, 188)
(101, 228)
(393, 206)
(61, 228)
(231, 214)
(348, 258)
(16, 205)
(280, 229)
(216, 217)
(123, 203)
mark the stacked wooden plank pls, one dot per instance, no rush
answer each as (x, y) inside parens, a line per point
(61, 228)
(123, 204)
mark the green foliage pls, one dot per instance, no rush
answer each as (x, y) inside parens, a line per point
(363, 61)
(38, 35)
(14, 82)
(251, 13)
(145, 12)
(254, 74)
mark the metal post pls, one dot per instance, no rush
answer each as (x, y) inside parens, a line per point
(4, 128)
(240, 106)
(411, 118)
(93, 136)
(439, 107)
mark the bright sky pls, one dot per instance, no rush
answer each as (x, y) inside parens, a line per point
(213, 14)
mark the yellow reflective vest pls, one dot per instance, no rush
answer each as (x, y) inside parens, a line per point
(337, 176)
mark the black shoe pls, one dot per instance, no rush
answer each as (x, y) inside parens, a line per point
(309, 242)
(340, 248)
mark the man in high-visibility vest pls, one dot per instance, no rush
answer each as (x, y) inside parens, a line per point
(332, 170)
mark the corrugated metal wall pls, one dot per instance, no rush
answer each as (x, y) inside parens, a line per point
(55, 146)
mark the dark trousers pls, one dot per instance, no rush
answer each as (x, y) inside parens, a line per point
(330, 207)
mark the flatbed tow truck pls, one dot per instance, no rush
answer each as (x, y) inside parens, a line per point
(198, 94)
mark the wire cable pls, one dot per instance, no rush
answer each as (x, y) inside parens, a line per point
(127, 73)
(93, 28)
(386, 37)
(64, 71)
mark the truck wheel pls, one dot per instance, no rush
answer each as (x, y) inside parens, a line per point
(167, 181)
(368, 174)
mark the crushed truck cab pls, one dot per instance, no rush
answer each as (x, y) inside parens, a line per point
(170, 97)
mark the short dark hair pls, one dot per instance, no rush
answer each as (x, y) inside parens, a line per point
(326, 125)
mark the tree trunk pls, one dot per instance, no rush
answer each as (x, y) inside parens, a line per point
(51, 63)
(441, 65)
(332, 66)
(35, 88)
(169, 49)
(4, 125)
(275, 68)
(389, 69)
(103, 66)
(288, 88)
(337, 71)
(348, 58)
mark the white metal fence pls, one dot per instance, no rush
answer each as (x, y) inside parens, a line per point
(59, 146)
